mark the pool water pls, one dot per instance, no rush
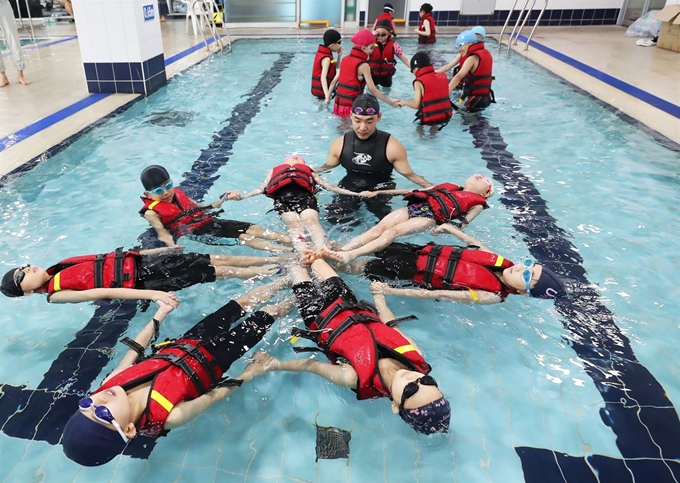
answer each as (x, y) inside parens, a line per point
(578, 390)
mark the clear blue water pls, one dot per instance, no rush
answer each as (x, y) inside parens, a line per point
(512, 372)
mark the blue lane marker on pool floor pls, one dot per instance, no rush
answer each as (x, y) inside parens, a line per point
(636, 406)
(41, 413)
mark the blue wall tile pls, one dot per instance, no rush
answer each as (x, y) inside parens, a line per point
(90, 71)
(104, 72)
(124, 87)
(121, 71)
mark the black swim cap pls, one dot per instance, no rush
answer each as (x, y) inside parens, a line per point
(433, 417)
(331, 36)
(385, 24)
(363, 103)
(89, 443)
(420, 59)
(388, 7)
(9, 287)
(548, 286)
(153, 176)
(426, 7)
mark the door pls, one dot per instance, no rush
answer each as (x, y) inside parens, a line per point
(375, 8)
(330, 10)
(634, 9)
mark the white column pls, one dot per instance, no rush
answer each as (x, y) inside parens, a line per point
(120, 44)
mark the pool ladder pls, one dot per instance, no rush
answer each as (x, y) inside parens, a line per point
(205, 10)
(523, 17)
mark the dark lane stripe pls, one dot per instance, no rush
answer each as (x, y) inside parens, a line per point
(636, 407)
(40, 414)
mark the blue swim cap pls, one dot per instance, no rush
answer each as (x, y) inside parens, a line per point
(465, 37)
(479, 30)
(431, 418)
(89, 443)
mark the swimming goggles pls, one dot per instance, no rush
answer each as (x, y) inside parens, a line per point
(526, 275)
(101, 414)
(381, 36)
(412, 387)
(19, 274)
(369, 111)
(162, 188)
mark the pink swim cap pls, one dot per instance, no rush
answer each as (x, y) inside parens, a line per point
(363, 38)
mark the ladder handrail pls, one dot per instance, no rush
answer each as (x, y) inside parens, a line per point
(211, 6)
(523, 16)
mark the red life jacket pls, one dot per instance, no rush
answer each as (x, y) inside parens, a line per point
(323, 52)
(382, 60)
(349, 85)
(435, 106)
(178, 372)
(479, 83)
(432, 38)
(448, 201)
(285, 174)
(356, 333)
(455, 268)
(179, 220)
(110, 270)
(385, 16)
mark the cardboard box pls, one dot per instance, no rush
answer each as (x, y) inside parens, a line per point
(669, 37)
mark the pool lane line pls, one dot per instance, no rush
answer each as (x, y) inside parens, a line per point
(41, 413)
(48, 121)
(636, 92)
(637, 408)
(37, 45)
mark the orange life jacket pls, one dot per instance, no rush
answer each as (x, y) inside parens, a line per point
(435, 106)
(448, 201)
(322, 52)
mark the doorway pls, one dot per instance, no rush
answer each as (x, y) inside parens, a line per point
(375, 8)
(634, 9)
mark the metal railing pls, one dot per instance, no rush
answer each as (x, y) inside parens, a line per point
(523, 16)
(205, 11)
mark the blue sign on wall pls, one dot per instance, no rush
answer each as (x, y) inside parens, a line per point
(148, 12)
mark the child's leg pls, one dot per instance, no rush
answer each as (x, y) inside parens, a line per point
(242, 261)
(310, 219)
(261, 294)
(296, 230)
(224, 271)
(394, 218)
(259, 244)
(259, 232)
(413, 225)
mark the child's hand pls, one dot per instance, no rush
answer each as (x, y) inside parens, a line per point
(168, 298)
(378, 288)
(438, 230)
(163, 310)
(232, 195)
(368, 194)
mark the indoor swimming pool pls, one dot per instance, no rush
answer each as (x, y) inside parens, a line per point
(577, 390)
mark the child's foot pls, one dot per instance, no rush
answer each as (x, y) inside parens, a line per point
(22, 79)
(338, 255)
(3, 79)
(308, 256)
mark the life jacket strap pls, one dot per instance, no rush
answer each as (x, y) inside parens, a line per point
(118, 262)
(398, 320)
(135, 346)
(181, 362)
(99, 271)
(439, 195)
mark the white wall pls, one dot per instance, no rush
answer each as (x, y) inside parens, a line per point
(414, 5)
